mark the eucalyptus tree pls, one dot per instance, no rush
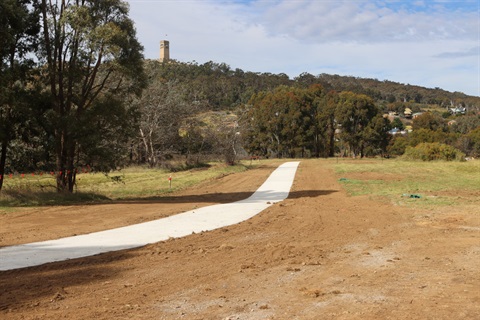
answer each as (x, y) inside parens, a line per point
(354, 113)
(430, 121)
(375, 136)
(328, 121)
(322, 106)
(261, 125)
(18, 30)
(91, 56)
(280, 122)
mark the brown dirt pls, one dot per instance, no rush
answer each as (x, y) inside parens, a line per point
(317, 255)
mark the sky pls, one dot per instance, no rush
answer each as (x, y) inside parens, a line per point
(427, 43)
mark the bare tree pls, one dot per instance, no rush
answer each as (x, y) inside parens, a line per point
(163, 108)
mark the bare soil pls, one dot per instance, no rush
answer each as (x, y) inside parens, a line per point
(320, 254)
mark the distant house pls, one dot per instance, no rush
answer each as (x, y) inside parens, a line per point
(407, 113)
(395, 131)
(415, 115)
(458, 110)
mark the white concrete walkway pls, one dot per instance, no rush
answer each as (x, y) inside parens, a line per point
(274, 189)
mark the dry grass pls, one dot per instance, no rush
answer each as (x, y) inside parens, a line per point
(129, 183)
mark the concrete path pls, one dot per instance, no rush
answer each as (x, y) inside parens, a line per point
(274, 189)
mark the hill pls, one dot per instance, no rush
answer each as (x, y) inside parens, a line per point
(224, 88)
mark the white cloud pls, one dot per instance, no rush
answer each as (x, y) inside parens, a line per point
(421, 43)
(365, 21)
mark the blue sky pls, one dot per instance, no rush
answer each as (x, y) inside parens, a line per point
(426, 43)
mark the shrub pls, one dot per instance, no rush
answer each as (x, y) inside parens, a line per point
(397, 145)
(474, 142)
(434, 151)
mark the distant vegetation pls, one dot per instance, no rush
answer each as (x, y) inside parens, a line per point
(200, 110)
(433, 151)
(100, 105)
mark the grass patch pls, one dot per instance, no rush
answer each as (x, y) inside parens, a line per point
(129, 183)
(438, 183)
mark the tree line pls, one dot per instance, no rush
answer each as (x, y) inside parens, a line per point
(76, 91)
(313, 122)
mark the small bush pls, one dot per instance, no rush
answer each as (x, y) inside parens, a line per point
(189, 164)
(397, 145)
(434, 151)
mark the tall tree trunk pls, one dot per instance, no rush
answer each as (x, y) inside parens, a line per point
(71, 167)
(316, 142)
(60, 160)
(3, 158)
(331, 141)
(153, 157)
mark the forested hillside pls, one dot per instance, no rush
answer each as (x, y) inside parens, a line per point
(389, 91)
(222, 87)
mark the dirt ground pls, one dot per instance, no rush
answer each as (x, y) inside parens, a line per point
(320, 254)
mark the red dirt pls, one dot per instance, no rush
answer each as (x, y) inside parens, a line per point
(320, 254)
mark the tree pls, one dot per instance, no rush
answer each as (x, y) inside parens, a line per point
(263, 125)
(226, 141)
(291, 121)
(375, 135)
(430, 121)
(465, 124)
(429, 136)
(397, 123)
(18, 28)
(163, 109)
(325, 105)
(197, 139)
(91, 53)
(305, 79)
(470, 143)
(474, 137)
(397, 145)
(254, 127)
(107, 146)
(281, 122)
(353, 113)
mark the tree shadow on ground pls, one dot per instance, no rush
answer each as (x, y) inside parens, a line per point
(220, 197)
(32, 286)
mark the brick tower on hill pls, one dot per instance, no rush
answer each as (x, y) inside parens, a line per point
(164, 51)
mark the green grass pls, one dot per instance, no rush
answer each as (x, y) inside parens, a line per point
(438, 183)
(129, 183)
